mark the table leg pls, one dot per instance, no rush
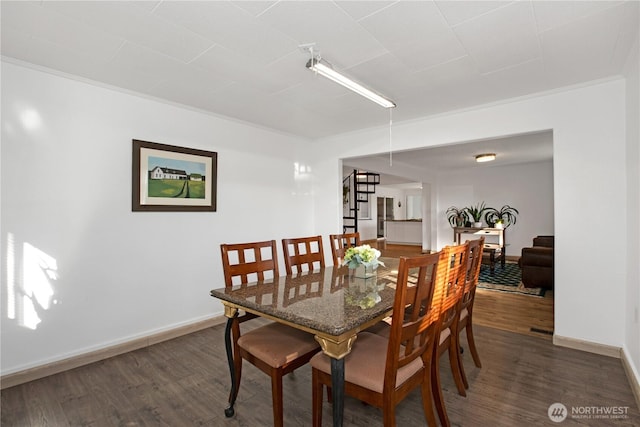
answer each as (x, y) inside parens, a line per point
(492, 261)
(337, 350)
(337, 390)
(229, 411)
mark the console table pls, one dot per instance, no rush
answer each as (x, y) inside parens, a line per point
(494, 250)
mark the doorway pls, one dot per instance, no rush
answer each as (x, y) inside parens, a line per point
(384, 213)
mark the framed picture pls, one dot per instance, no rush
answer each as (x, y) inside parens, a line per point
(170, 178)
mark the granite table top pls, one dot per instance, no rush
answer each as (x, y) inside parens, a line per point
(331, 300)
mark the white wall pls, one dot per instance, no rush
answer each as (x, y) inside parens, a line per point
(412, 204)
(368, 227)
(66, 210)
(633, 208)
(589, 178)
(526, 187)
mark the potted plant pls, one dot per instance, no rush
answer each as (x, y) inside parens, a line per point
(456, 217)
(345, 194)
(506, 216)
(475, 212)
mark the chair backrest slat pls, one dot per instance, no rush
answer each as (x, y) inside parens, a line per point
(340, 243)
(244, 259)
(413, 325)
(303, 252)
(473, 270)
(452, 289)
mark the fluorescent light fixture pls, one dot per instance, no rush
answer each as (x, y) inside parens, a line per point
(486, 157)
(324, 69)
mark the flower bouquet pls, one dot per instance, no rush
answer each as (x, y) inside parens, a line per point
(363, 259)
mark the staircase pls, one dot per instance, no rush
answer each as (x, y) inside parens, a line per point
(356, 190)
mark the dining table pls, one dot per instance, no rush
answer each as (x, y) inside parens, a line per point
(332, 303)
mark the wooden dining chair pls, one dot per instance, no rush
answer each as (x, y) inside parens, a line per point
(449, 294)
(383, 378)
(275, 349)
(340, 243)
(303, 252)
(466, 304)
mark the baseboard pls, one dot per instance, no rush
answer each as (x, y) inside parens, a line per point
(45, 370)
(632, 374)
(590, 347)
(391, 242)
(606, 350)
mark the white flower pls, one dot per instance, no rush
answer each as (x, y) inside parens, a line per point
(365, 255)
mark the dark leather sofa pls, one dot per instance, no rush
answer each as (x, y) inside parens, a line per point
(537, 263)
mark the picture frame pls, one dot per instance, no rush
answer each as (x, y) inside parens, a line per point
(168, 178)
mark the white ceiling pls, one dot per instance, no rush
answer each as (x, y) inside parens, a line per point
(241, 59)
(415, 165)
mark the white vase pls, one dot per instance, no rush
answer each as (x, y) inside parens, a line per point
(477, 224)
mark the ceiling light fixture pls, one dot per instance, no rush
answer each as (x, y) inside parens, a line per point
(486, 157)
(323, 68)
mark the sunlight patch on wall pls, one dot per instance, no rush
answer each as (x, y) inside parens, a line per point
(30, 119)
(31, 295)
(301, 171)
(11, 277)
(40, 270)
(302, 179)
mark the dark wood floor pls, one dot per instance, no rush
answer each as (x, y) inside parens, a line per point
(524, 314)
(185, 381)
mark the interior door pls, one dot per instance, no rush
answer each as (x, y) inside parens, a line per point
(380, 216)
(388, 201)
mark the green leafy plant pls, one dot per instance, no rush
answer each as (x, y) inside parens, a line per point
(456, 217)
(476, 211)
(507, 214)
(345, 194)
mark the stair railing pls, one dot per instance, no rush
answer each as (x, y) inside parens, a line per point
(357, 187)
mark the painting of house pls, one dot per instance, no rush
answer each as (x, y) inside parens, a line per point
(167, 173)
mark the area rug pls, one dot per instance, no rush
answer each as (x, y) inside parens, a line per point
(505, 280)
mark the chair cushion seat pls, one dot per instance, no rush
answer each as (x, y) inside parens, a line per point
(277, 344)
(365, 365)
